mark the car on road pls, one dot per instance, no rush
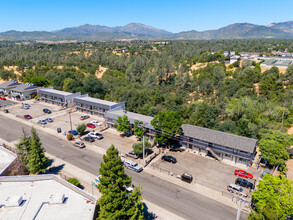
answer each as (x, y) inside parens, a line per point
(42, 122)
(244, 183)
(95, 135)
(74, 132)
(237, 190)
(89, 139)
(177, 149)
(186, 177)
(45, 110)
(49, 119)
(3, 98)
(132, 155)
(242, 173)
(169, 159)
(79, 144)
(96, 123)
(90, 125)
(27, 116)
(6, 111)
(129, 164)
(83, 117)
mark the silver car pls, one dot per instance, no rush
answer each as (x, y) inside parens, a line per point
(79, 144)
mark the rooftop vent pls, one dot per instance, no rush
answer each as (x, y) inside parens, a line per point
(13, 201)
(57, 198)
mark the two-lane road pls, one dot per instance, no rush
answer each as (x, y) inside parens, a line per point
(181, 201)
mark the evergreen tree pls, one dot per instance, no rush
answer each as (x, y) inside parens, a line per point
(37, 161)
(23, 148)
(115, 203)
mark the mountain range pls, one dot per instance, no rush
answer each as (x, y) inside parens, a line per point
(282, 30)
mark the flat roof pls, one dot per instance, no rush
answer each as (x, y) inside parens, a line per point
(95, 100)
(221, 138)
(6, 158)
(43, 197)
(55, 91)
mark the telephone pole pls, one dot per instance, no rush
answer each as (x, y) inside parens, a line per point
(143, 150)
(69, 112)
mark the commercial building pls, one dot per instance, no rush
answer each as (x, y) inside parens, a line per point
(6, 159)
(95, 106)
(57, 97)
(23, 91)
(43, 197)
(6, 86)
(219, 144)
(280, 62)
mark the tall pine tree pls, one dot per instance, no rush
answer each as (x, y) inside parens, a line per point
(115, 203)
(37, 161)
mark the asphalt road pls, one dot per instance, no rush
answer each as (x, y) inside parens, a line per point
(181, 201)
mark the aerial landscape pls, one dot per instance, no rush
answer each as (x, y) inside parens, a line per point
(146, 110)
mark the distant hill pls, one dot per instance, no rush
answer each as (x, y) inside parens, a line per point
(139, 31)
(283, 26)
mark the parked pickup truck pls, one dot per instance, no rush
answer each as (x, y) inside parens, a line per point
(129, 164)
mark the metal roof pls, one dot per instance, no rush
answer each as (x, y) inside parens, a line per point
(54, 91)
(24, 87)
(8, 84)
(95, 101)
(219, 138)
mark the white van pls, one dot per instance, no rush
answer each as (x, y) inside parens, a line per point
(129, 164)
(237, 190)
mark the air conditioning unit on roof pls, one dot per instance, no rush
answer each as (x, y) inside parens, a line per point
(13, 201)
(57, 198)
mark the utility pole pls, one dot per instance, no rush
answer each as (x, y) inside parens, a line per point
(239, 210)
(70, 120)
(143, 150)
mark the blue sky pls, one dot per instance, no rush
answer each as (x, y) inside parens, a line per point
(171, 15)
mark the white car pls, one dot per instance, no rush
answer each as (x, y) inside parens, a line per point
(96, 123)
(95, 135)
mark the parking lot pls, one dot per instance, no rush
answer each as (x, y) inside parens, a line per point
(6, 103)
(205, 171)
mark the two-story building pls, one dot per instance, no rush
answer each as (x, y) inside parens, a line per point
(223, 145)
(23, 91)
(6, 86)
(95, 106)
(57, 97)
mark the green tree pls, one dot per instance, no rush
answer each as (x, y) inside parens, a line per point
(37, 161)
(138, 146)
(115, 202)
(273, 198)
(94, 87)
(81, 128)
(205, 116)
(23, 148)
(167, 125)
(74, 181)
(122, 124)
(138, 130)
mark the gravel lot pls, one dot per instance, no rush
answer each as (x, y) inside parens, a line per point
(205, 171)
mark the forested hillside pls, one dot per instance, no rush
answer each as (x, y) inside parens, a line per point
(158, 76)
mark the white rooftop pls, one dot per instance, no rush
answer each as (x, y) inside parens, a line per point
(95, 100)
(6, 158)
(55, 91)
(43, 197)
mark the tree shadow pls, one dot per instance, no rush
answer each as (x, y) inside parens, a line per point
(147, 214)
(55, 170)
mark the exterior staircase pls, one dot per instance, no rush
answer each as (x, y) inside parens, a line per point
(214, 154)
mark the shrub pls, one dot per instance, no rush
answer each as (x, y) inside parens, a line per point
(69, 137)
(74, 181)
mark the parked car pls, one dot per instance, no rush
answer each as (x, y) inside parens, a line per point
(96, 123)
(129, 164)
(186, 177)
(243, 174)
(49, 119)
(90, 125)
(132, 155)
(169, 159)
(45, 110)
(244, 183)
(95, 135)
(74, 132)
(6, 111)
(59, 130)
(42, 122)
(27, 116)
(176, 149)
(3, 98)
(79, 144)
(236, 189)
(89, 139)
(83, 117)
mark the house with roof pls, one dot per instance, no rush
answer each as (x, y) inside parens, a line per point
(6, 86)
(95, 106)
(56, 97)
(219, 144)
(44, 197)
(23, 91)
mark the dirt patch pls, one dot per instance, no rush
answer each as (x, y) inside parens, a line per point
(9, 68)
(290, 130)
(282, 71)
(100, 72)
(290, 169)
